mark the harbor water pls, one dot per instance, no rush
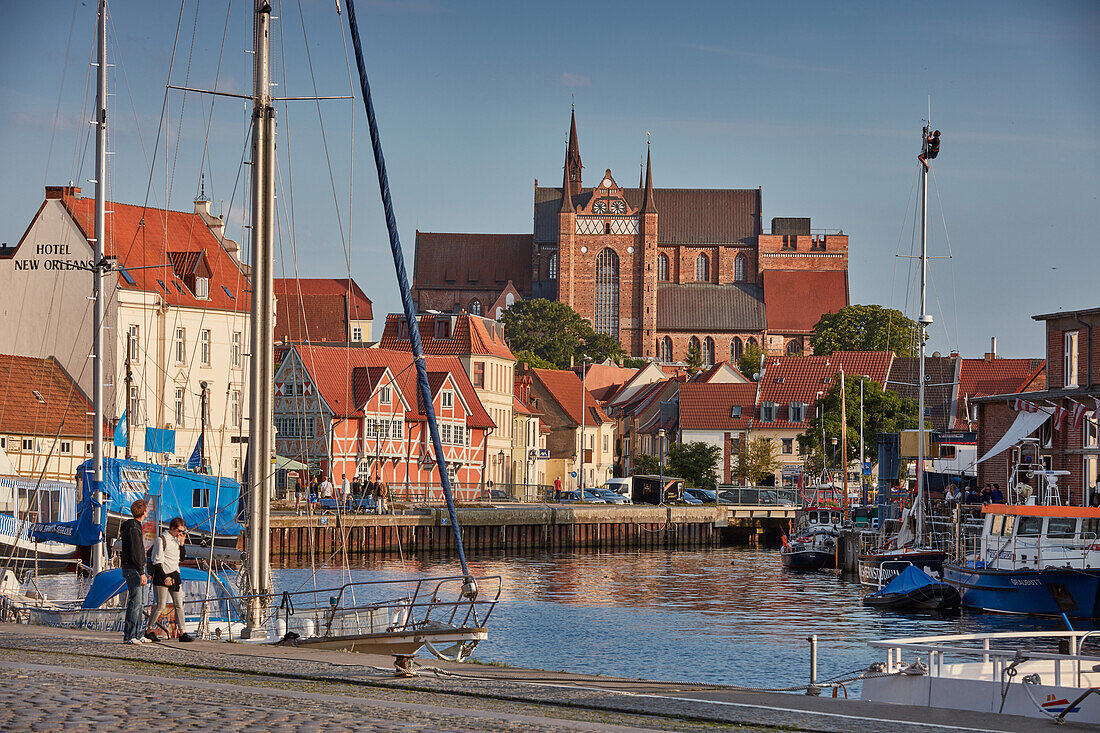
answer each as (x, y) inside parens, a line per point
(727, 616)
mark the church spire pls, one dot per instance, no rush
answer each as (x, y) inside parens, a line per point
(649, 202)
(573, 155)
(566, 190)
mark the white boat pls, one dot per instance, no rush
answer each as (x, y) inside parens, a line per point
(30, 501)
(1038, 674)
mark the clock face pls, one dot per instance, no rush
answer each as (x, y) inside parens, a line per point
(599, 207)
(618, 206)
(607, 183)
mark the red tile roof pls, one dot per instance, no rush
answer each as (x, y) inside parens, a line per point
(706, 406)
(22, 413)
(795, 300)
(790, 379)
(141, 239)
(565, 387)
(332, 370)
(472, 261)
(318, 309)
(469, 335)
(983, 378)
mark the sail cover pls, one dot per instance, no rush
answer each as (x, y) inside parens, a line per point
(83, 530)
(1026, 423)
(907, 581)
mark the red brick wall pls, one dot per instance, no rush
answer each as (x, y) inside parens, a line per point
(815, 252)
(1056, 329)
(994, 419)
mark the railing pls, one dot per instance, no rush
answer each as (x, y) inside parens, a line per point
(1007, 552)
(757, 496)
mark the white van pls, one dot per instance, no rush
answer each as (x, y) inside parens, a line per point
(620, 486)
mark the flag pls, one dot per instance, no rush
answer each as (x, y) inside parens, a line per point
(1058, 417)
(1077, 414)
(194, 463)
(1024, 406)
(120, 431)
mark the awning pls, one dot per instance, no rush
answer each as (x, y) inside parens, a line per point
(1026, 423)
(282, 463)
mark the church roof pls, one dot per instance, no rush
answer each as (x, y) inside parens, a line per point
(707, 307)
(473, 261)
(318, 309)
(687, 215)
(798, 298)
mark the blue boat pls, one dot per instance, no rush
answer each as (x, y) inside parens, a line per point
(914, 590)
(1034, 560)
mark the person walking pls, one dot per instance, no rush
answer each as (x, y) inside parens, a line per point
(168, 550)
(133, 570)
(557, 489)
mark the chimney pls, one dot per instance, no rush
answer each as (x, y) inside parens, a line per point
(56, 192)
(992, 349)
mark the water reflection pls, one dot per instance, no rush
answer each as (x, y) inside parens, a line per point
(728, 616)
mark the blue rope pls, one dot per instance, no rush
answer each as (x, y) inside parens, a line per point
(403, 285)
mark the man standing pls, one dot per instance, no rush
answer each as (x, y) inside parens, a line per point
(557, 489)
(326, 489)
(345, 488)
(133, 570)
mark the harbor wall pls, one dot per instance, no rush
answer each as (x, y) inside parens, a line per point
(527, 529)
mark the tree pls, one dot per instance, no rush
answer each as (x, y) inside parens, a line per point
(865, 328)
(696, 463)
(694, 360)
(631, 363)
(555, 333)
(756, 461)
(883, 412)
(749, 363)
(533, 360)
(647, 465)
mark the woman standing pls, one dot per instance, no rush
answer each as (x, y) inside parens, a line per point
(167, 553)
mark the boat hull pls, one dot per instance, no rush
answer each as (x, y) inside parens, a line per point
(1027, 592)
(20, 551)
(808, 559)
(933, 597)
(878, 569)
(401, 643)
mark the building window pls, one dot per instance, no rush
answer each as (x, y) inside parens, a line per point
(479, 374)
(202, 287)
(235, 350)
(1069, 369)
(200, 497)
(793, 348)
(735, 411)
(662, 267)
(66, 446)
(448, 400)
(767, 411)
(443, 327)
(356, 334)
(739, 268)
(751, 343)
(181, 351)
(385, 395)
(179, 406)
(797, 412)
(702, 269)
(788, 446)
(666, 349)
(28, 445)
(708, 351)
(553, 266)
(204, 346)
(695, 346)
(132, 343)
(235, 408)
(3, 442)
(475, 307)
(737, 348)
(607, 293)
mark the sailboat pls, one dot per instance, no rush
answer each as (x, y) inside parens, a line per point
(445, 614)
(911, 546)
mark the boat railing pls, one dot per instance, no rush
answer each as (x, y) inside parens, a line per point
(1028, 550)
(936, 650)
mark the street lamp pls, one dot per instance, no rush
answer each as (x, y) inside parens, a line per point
(661, 448)
(584, 404)
(833, 441)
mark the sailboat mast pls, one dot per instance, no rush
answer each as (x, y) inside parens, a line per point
(923, 321)
(261, 362)
(98, 558)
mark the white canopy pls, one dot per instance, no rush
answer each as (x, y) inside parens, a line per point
(1026, 423)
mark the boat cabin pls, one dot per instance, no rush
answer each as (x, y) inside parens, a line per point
(1026, 536)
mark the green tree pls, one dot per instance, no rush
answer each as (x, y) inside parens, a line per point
(631, 363)
(756, 461)
(533, 360)
(865, 328)
(696, 463)
(694, 360)
(749, 363)
(883, 412)
(555, 333)
(646, 465)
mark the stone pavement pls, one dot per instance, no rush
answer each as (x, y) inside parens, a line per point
(52, 679)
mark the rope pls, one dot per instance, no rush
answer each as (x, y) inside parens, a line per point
(403, 283)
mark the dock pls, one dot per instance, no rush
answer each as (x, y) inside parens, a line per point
(55, 679)
(529, 528)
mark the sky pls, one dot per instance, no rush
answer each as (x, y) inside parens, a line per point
(819, 104)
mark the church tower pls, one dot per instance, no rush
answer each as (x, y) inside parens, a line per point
(648, 345)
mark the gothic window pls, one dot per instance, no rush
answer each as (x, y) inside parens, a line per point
(736, 348)
(708, 351)
(666, 349)
(702, 269)
(792, 348)
(751, 343)
(553, 266)
(694, 345)
(739, 268)
(475, 307)
(662, 267)
(607, 293)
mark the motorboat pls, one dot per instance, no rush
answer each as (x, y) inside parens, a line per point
(813, 541)
(914, 590)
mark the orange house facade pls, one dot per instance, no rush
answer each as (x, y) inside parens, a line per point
(356, 413)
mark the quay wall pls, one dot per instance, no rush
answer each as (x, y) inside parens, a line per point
(526, 529)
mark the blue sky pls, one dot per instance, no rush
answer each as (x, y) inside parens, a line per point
(820, 104)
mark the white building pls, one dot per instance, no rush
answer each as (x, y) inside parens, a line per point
(176, 318)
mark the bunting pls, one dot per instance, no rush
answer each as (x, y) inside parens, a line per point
(1058, 417)
(1077, 414)
(1020, 405)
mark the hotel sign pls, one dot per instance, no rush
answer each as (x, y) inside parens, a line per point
(54, 257)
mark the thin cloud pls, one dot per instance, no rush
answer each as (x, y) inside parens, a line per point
(575, 80)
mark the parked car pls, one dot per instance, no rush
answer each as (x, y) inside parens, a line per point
(703, 496)
(497, 495)
(612, 497)
(574, 497)
(621, 486)
(689, 499)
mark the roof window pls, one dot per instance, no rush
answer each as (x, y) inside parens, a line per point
(129, 278)
(38, 396)
(230, 294)
(735, 411)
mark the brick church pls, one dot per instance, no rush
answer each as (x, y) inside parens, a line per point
(657, 268)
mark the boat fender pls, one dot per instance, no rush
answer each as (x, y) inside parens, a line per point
(307, 627)
(280, 627)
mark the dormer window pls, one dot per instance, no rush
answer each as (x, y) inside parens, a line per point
(403, 330)
(735, 411)
(767, 411)
(202, 287)
(442, 328)
(796, 412)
